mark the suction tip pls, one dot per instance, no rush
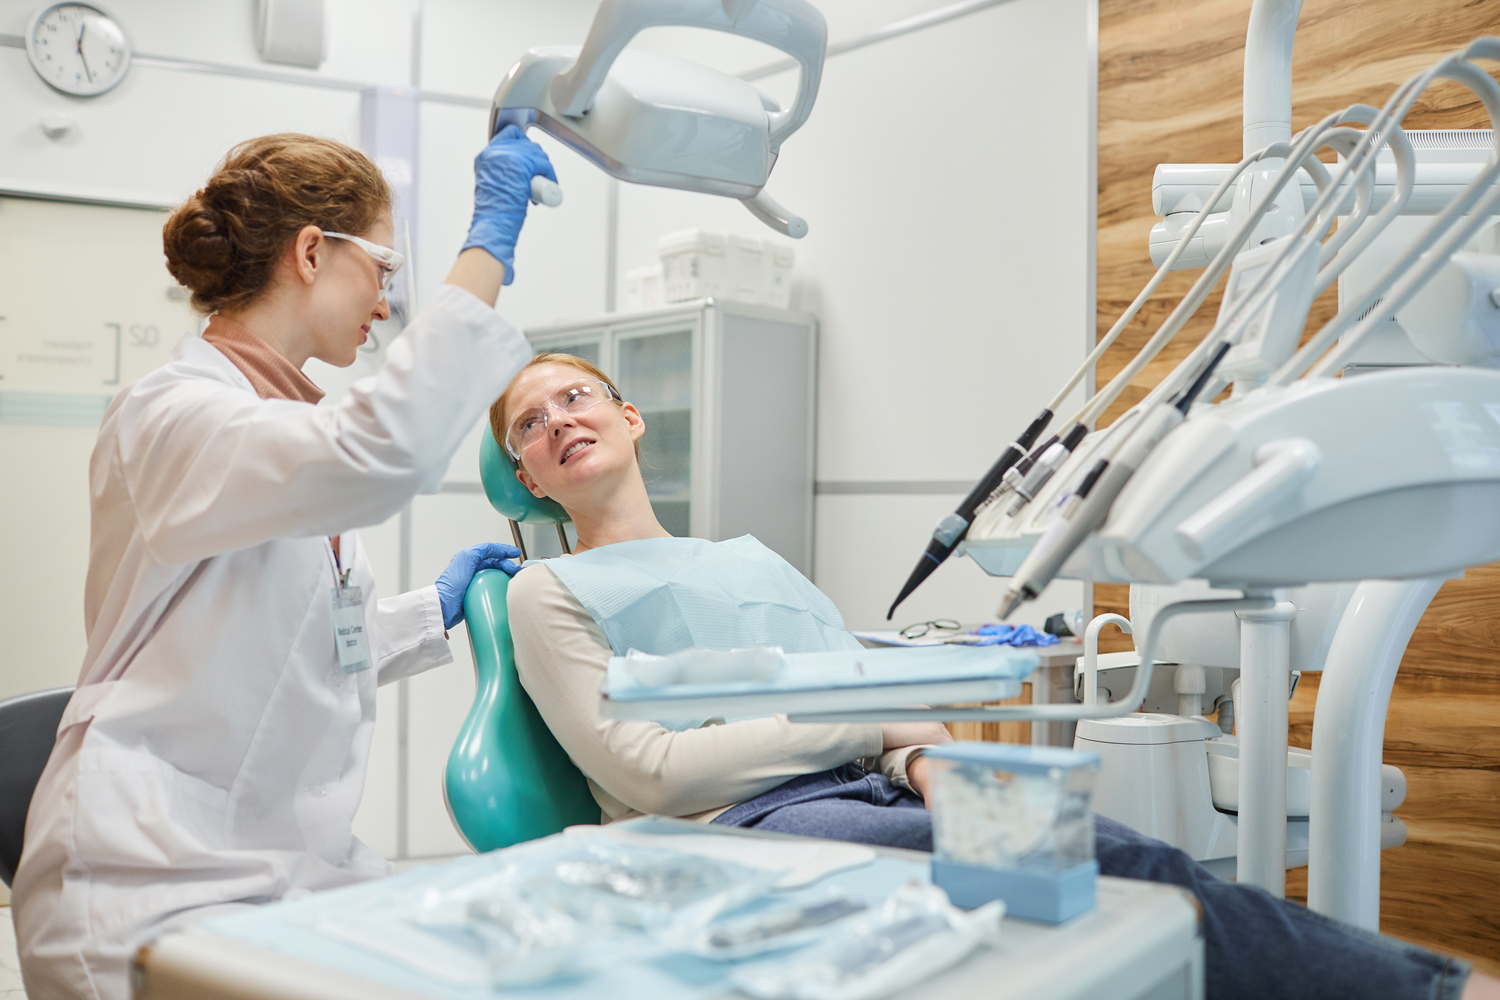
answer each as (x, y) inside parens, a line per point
(1012, 601)
(931, 559)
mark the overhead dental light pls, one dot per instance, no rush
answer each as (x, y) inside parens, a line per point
(654, 119)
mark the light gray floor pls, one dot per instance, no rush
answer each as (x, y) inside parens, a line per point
(10, 968)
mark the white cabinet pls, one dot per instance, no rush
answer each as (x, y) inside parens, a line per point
(727, 392)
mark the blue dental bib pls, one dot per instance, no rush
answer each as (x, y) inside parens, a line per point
(662, 595)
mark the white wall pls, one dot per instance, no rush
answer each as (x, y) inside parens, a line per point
(948, 261)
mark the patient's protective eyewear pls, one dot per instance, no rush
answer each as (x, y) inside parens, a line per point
(530, 425)
(920, 629)
(389, 260)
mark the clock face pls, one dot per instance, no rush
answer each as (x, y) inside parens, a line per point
(77, 48)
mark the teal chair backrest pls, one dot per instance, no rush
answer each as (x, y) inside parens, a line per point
(508, 780)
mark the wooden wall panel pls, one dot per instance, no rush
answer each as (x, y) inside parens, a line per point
(1169, 91)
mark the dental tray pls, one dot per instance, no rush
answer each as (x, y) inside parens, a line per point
(858, 680)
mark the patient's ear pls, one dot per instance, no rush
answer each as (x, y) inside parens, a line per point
(633, 420)
(529, 483)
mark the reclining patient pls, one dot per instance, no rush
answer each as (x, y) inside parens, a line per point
(631, 584)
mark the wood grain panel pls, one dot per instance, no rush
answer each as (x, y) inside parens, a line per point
(1169, 91)
(997, 732)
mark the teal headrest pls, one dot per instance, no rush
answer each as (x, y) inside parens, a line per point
(506, 493)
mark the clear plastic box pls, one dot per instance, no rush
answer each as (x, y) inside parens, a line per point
(643, 287)
(1014, 823)
(701, 263)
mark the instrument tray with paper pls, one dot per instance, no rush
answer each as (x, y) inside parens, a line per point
(837, 681)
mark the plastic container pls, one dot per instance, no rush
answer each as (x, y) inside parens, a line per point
(779, 261)
(643, 287)
(1014, 823)
(694, 265)
(700, 263)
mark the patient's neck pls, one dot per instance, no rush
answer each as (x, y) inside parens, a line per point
(621, 514)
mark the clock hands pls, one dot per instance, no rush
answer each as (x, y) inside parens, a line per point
(82, 27)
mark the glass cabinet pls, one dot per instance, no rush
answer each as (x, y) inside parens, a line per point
(726, 390)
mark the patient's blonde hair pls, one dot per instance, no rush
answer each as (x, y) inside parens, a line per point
(498, 421)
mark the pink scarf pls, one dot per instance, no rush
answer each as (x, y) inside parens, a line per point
(271, 375)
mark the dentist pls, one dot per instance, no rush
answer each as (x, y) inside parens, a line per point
(215, 751)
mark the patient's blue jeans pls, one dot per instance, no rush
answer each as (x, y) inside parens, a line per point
(1255, 946)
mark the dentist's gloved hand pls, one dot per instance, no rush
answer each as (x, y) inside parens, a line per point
(502, 192)
(454, 582)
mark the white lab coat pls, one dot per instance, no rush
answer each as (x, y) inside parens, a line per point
(215, 751)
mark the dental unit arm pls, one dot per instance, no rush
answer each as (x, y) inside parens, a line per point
(653, 119)
(1049, 527)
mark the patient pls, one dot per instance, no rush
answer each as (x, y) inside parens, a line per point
(631, 584)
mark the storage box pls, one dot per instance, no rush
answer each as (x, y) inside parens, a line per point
(643, 287)
(1014, 823)
(701, 263)
(694, 265)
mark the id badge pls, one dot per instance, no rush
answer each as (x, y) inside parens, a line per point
(349, 629)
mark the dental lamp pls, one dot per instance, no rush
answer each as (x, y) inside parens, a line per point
(650, 118)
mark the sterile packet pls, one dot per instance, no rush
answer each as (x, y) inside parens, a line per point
(914, 935)
(706, 666)
(570, 906)
(784, 924)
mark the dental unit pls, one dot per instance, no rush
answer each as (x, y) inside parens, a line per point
(1377, 485)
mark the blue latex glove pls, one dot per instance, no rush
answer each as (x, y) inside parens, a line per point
(1012, 635)
(502, 191)
(454, 582)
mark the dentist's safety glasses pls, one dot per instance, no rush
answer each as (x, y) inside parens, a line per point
(914, 936)
(530, 425)
(388, 259)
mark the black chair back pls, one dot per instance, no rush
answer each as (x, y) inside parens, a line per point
(28, 728)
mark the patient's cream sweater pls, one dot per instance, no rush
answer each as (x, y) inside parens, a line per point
(635, 768)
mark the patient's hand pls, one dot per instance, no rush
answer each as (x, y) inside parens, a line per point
(907, 734)
(916, 777)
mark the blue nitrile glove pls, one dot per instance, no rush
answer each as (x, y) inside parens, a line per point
(454, 582)
(1012, 635)
(502, 190)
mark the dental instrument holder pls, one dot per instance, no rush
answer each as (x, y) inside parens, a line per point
(1014, 823)
(649, 118)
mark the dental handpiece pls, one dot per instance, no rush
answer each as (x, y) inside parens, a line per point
(1042, 470)
(952, 529)
(1087, 509)
(545, 192)
(1096, 494)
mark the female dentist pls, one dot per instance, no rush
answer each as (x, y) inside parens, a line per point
(214, 753)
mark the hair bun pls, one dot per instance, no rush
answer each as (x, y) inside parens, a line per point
(223, 243)
(198, 248)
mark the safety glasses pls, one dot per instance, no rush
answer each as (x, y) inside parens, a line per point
(530, 425)
(920, 629)
(389, 260)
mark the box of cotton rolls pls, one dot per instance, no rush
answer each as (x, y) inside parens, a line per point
(1014, 823)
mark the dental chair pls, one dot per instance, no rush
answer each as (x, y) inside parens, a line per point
(508, 780)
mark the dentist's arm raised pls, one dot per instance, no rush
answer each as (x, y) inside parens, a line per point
(503, 172)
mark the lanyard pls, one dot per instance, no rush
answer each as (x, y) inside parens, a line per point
(349, 636)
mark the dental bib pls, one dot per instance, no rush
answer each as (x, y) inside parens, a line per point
(662, 595)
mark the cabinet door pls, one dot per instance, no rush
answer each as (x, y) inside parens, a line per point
(656, 372)
(590, 349)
